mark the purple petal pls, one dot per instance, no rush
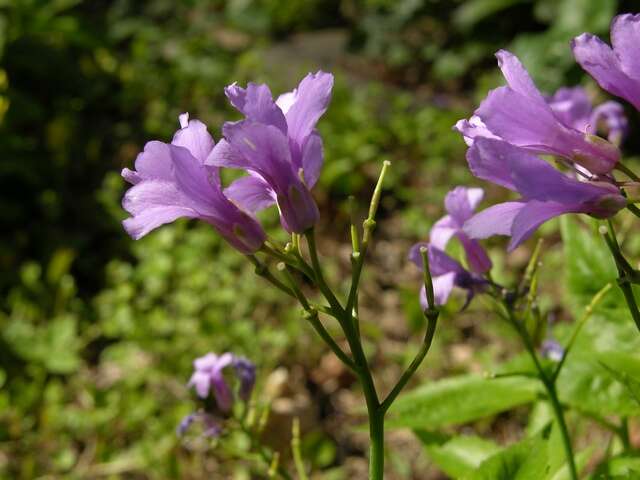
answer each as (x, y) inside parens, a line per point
(495, 220)
(264, 150)
(572, 107)
(489, 160)
(153, 203)
(195, 138)
(312, 98)
(250, 193)
(531, 216)
(442, 288)
(256, 103)
(439, 262)
(521, 121)
(224, 155)
(154, 162)
(517, 76)
(224, 395)
(442, 231)
(610, 118)
(478, 259)
(597, 58)
(312, 158)
(201, 380)
(246, 372)
(625, 38)
(206, 362)
(461, 201)
(472, 128)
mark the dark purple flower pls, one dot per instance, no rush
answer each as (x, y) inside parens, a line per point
(545, 192)
(616, 69)
(246, 373)
(446, 274)
(460, 204)
(609, 117)
(278, 145)
(520, 115)
(174, 180)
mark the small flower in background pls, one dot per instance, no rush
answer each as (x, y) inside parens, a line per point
(209, 382)
(552, 350)
(446, 274)
(278, 145)
(617, 69)
(574, 109)
(174, 180)
(520, 115)
(546, 192)
(460, 204)
(208, 377)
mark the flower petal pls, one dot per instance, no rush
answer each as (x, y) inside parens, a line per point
(517, 76)
(625, 38)
(256, 103)
(442, 231)
(201, 381)
(250, 193)
(495, 220)
(195, 138)
(597, 58)
(531, 216)
(442, 288)
(312, 159)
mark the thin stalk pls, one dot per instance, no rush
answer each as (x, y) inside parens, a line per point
(627, 171)
(550, 388)
(406, 376)
(311, 315)
(623, 280)
(317, 271)
(263, 271)
(295, 449)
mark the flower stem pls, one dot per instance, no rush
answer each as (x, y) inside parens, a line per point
(549, 385)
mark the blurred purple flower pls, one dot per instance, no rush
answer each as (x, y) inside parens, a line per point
(520, 115)
(174, 180)
(616, 69)
(246, 372)
(210, 424)
(278, 145)
(574, 109)
(460, 204)
(446, 274)
(546, 192)
(208, 376)
(552, 350)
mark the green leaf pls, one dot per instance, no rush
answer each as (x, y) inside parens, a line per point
(526, 460)
(457, 456)
(461, 399)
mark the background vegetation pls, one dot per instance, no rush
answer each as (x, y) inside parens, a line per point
(97, 332)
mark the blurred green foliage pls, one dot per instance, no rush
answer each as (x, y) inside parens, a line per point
(97, 332)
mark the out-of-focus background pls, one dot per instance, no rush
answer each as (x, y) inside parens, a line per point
(98, 332)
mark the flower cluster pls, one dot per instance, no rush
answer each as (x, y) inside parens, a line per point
(213, 388)
(276, 144)
(506, 134)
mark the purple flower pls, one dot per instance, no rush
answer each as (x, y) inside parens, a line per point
(209, 377)
(519, 114)
(246, 372)
(552, 350)
(446, 274)
(616, 69)
(174, 180)
(545, 192)
(574, 109)
(278, 145)
(460, 204)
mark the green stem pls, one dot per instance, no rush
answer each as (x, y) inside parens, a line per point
(317, 271)
(623, 280)
(376, 449)
(627, 171)
(432, 319)
(549, 386)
